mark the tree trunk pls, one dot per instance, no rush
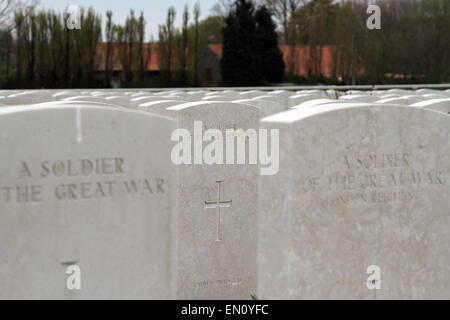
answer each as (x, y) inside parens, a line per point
(8, 54)
(108, 63)
(196, 53)
(32, 51)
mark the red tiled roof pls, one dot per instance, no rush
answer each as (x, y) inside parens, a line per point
(301, 57)
(217, 49)
(116, 64)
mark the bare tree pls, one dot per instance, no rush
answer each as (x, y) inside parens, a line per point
(284, 12)
(7, 37)
(222, 8)
(8, 7)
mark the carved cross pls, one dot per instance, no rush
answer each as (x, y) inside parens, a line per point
(217, 205)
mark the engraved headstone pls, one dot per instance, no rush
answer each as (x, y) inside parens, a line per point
(216, 202)
(86, 186)
(359, 186)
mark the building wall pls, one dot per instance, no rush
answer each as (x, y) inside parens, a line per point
(208, 68)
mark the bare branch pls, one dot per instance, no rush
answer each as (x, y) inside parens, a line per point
(8, 7)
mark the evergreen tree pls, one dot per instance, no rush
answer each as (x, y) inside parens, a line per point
(241, 61)
(272, 59)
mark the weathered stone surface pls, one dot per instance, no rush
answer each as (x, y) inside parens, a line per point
(442, 105)
(90, 186)
(359, 185)
(207, 268)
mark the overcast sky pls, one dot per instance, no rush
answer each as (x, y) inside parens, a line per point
(154, 10)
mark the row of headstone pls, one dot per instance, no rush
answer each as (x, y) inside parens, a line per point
(423, 98)
(268, 101)
(136, 190)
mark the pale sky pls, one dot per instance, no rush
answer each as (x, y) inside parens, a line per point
(154, 10)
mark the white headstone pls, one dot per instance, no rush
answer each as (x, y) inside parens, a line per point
(87, 186)
(249, 94)
(282, 96)
(442, 105)
(300, 98)
(220, 98)
(405, 100)
(359, 98)
(315, 102)
(266, 107)
(216, 207)
(24, 97)
(361, 189)
(159, 107)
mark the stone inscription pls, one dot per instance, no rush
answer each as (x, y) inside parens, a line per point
(77, 179)
(221, 282)
(222, 128)
(372, 179)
